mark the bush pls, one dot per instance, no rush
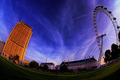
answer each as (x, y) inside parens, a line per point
(33, 64)
(94, 67)
(84, 69)
(63, 68)
(40, 67)
(79, 70)
(45, 67)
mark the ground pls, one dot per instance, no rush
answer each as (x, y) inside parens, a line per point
(11, 71)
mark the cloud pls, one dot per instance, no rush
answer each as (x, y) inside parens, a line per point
(61, 30)
(89, 43)
(64, 38)
(4, 32)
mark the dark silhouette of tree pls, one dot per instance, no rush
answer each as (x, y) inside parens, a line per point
(63, 68)
(119, 36)
(33, 64)
(45, 67)
(15, 58)
(107, 55)
(79, 69)
(40, 67)
(114, 51)
(11, 57)
(113, 54)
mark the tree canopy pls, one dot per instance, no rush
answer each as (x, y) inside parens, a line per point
(34, 64)
(113, 53)
(64, 68)
(16, 57)
(45, 67)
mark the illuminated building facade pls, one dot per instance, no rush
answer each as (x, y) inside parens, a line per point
(17, 41)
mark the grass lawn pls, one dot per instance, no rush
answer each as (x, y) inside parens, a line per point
(11, 71)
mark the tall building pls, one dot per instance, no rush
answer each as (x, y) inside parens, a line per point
(17, 41)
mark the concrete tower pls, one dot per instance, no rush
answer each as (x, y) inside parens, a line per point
(18, 40)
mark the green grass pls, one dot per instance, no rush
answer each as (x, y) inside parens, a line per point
(11, 71)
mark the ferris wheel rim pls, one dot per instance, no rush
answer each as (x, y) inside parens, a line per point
(111, 17)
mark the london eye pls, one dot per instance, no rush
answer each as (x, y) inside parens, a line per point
(99, 38)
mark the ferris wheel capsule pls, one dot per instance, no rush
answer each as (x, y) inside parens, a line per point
(114, 18)
(110, 12)
(105, 8)
(118, 27)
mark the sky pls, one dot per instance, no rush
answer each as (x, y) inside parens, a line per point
(62, 29)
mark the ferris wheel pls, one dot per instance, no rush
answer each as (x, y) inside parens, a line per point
(99, 38)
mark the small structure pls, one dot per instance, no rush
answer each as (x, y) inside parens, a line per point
(80, 64)
(50, 65)
(2, 43)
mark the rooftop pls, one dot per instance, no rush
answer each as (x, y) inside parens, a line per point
(78, 62)
(25, 24)
(47, 63)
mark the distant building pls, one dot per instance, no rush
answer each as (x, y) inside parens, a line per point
(2, 43)
(17, 41)
(80, 64)
(50, 65)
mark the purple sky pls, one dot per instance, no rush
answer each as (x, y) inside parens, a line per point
(62, 29)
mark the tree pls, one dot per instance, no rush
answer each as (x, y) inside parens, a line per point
(79, 70)
(114, 47)
(15, 58)
(107, 55)
(113, 54)
(115, 51)
(64, 68)
(40, 67)
(33, 64)
(45, 67)
(119, 35)
(11, 57)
